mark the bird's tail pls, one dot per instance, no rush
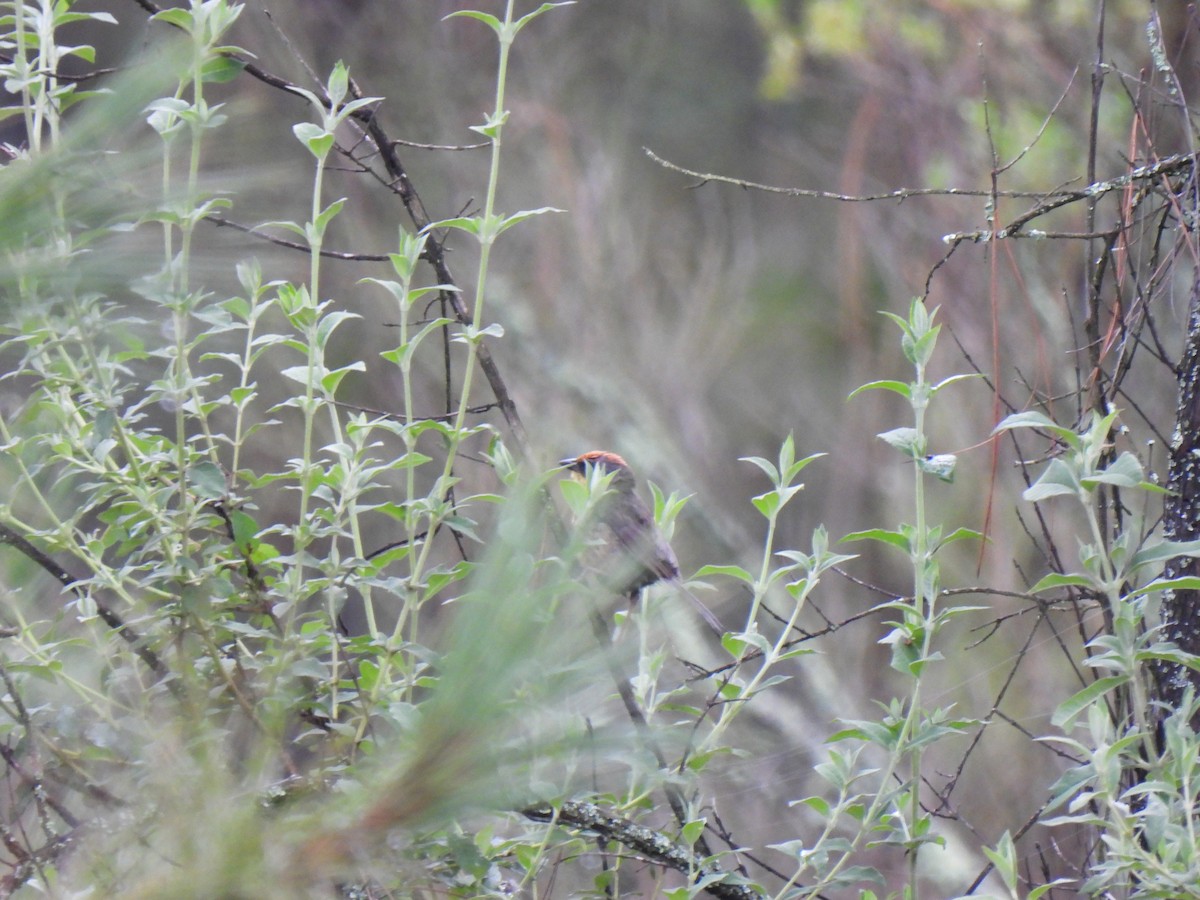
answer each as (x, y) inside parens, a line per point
(707, 614)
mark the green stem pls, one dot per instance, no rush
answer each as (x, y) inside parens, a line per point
(729, 711)
(312, 360)
(923, 603)
(486, 240)
(32, 129)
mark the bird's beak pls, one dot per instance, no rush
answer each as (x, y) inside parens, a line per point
(572, 469)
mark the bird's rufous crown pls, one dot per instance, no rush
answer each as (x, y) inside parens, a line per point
(601, 459)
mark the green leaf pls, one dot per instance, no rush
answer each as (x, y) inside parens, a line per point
(768, 504)
(792, 470)
(735, 643)
(793, 654)
(736, 572)
(961, 534)
(920, 351)
(796, 848)
(299, 374)
(1074, 705)
(310, 668)
(1057, 580)
(530, 16)
(180, 18)
(339, 82)
(464, 526)
(906, 440)
(221, 69)
(489, 20)
(906, 655)
(939, 465)
(331, 380)
(207, 480)
(1124, 471)
(245, 529)
(490, 129)
(328, 323)
(1161, 551)
(1037, 892)
(1184, 583)
(472, 225)
(83, 51)
(953, 379)
(66, 18)
(895, 538)
(326, 215)
(1033, 419)
(1169, 653)
(314, 137)
(472, 335)
(358, 104)
(818, 804)
(287, 226)
(395, 288)
(766, 465)
(896, 387)
(509, 221)
(575, 493)
(402, 355)
(1059, 479)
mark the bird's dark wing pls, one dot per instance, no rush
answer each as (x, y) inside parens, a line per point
(637, 537)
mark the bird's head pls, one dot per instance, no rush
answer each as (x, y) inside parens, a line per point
(603, 461)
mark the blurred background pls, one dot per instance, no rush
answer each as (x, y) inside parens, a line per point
(687, 325)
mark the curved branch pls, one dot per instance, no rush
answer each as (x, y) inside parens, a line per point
(103, 610)
(653, 845)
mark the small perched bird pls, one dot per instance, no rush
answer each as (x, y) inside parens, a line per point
(634, 552)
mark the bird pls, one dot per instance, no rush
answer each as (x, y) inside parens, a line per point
(633, 553)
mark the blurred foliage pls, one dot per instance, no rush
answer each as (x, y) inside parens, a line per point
(316, 624)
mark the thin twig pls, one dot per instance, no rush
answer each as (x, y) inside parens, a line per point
(103, 610)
